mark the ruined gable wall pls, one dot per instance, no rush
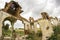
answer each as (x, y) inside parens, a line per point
(46, 28)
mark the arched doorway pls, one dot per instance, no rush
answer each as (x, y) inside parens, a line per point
(19, 28)
(6, 31)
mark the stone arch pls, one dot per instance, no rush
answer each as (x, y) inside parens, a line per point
(4, 24)
(12, 20)
(3, 15)
(7, 18)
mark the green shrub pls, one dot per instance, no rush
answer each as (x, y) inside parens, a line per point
(56, 35)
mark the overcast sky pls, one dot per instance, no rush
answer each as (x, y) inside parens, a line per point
(33, 8)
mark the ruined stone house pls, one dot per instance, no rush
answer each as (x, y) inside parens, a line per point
(13, 9)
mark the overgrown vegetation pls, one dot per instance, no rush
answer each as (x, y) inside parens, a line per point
(56, 35)
(34, 36)
(5, 30)
(21, 33)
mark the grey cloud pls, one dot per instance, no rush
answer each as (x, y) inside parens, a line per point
(58, 2)
(31, 5)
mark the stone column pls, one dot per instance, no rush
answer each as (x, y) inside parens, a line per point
(0, 27)
(35, 27)
(12, 38)
(26, 26)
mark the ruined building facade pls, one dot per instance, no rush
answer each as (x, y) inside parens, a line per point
(13, 9)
